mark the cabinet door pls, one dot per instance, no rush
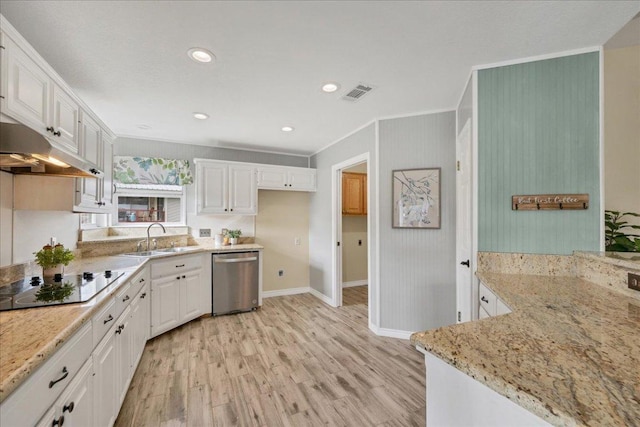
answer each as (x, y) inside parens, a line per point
(139, 325)
(27, 89)
(123, 348)
(212, 188)
(88, 196)
(165, 307)
(243, 193)
(193, 296)
(105, 365)
(352, 194)
(76, 404)
(107, 168)
(64, 117)
(272, 178)
(302, 179)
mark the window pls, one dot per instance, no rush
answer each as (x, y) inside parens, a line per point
(145, 204)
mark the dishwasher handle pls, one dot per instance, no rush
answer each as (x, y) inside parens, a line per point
(230, 260)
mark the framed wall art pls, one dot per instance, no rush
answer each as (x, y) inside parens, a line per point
(416, 198)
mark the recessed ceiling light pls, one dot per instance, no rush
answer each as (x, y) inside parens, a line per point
(199, 54)
(330, 87)
(144, 127)
(287, 129)
(201, 116)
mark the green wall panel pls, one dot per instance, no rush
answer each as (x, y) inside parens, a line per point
(538, 133)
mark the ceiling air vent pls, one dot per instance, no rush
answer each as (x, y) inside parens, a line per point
(357, 92)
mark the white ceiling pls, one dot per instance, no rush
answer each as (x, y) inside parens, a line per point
(128, 60)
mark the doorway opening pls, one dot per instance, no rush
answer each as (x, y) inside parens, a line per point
(355, 265)
(351, 230)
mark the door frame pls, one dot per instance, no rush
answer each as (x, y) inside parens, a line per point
(465, 308)
(336, 227)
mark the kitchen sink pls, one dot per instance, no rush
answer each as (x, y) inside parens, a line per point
(180, 249)
(157, 252)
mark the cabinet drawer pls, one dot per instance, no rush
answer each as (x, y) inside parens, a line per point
(487, 300)
(138, 281)
(124, 297)
(26, 405)
(104, 320)
(177, 264)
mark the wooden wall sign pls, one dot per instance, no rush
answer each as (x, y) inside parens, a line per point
(539, 202)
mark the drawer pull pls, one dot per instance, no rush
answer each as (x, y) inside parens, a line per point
(181, 265)
(65, 372)
(108, 319)
(143, 295)
(68, 407)
(126, 298)
(58, 422)
(483, 299)
(141, 280)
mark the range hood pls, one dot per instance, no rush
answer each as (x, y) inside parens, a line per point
(25, 151)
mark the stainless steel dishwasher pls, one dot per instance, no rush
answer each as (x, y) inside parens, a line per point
(235, 281)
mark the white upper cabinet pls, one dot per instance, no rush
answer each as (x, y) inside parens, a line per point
(26, 88)
(286, 178)
(243, 193)
(89, 193)
(65, 115)
(33, 94)
(107, 169)
(212, 188)
(225, 188)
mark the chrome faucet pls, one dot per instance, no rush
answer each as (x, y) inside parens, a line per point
(149, 229)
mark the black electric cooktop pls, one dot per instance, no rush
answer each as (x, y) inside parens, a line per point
(36, 292)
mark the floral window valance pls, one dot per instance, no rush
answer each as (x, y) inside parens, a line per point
(151, 170)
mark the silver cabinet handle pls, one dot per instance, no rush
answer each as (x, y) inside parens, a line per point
(228, 260)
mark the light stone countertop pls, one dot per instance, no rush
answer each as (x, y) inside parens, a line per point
(569, 352)
(29, 337)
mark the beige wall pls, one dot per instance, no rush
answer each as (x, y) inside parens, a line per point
(282, 217)
(354, 257)
(622, 128)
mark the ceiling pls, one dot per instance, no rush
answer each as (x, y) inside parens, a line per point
(128, 60)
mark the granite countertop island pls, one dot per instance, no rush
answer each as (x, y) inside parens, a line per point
(29, 337)
(569, 352)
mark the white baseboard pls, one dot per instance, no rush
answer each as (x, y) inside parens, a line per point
(325, 299)
(354, 283)
(283, 292)
(391, 333)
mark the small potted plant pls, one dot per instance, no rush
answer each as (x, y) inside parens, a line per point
(233, 236)
(52, 259)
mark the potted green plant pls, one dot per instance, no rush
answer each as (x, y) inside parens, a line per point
(53, 259)
(233, 236)
(616, 234)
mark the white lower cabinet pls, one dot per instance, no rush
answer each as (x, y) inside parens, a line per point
(85, 382)
(105, 360)
(74, 408)
(180, 292)
(34, 398)
(490, 304)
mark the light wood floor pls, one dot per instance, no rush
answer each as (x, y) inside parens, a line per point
(294, 362)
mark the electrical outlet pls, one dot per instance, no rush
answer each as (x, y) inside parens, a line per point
(634, 281)
(280, 273)
(296, 241)
(205, 232)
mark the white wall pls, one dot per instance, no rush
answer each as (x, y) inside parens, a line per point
(417, 266)
(33, 229)
(320, 210)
